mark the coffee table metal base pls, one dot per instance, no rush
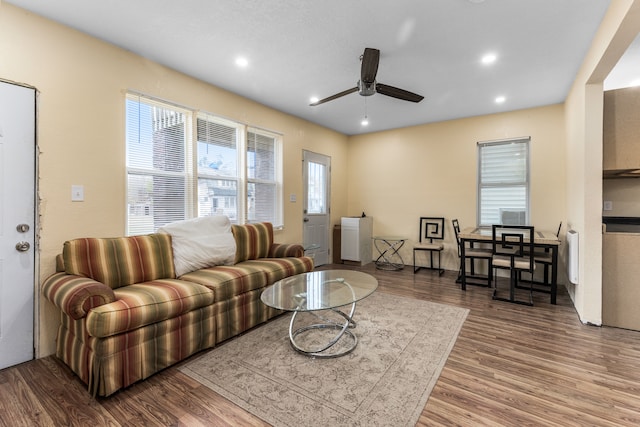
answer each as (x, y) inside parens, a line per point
(343, 333)
(328, 298)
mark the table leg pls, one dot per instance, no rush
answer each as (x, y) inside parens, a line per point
(554, 273)
(385, 260)
(321, 351)
(463, 267)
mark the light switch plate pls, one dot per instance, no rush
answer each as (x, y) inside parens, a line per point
(608, 205)
(292, 198)
(77, 193)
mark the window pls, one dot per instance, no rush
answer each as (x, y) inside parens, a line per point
(234, 170)
(218, 180)
(317, 180)
(263, 167)
(503, 182)
(157, 180)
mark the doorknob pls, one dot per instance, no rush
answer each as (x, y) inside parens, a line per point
(22, 246)
(22, 228)
(306, 220)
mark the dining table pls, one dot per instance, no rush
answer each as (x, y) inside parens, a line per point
(546, 240)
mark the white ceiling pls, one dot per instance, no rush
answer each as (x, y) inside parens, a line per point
(626, 73)
(302, 48)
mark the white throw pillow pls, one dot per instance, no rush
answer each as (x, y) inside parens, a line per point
(201, 242)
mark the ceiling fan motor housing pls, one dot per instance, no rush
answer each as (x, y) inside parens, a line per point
(367, 89)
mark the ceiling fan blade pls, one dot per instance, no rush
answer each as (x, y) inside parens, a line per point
(369, 68)
(398, 93)
(332, 97)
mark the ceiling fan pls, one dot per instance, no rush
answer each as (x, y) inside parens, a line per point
(367, 84)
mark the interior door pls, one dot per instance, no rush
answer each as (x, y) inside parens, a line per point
(17, 217)
(317, 194)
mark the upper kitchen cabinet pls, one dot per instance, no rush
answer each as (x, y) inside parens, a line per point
(621, 133)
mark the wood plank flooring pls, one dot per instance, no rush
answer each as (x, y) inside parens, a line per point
(512, 365)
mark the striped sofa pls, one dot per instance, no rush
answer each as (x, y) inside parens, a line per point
(125, 315)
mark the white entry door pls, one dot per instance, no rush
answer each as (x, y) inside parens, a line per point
(317, 194)
(17, 223)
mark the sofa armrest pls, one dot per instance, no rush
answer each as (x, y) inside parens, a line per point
(59, 263)
(76, 295)
(284, 250)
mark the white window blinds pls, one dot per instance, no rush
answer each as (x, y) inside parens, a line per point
(218, 171)
(156, 139)
(503, 182)
(262, 176)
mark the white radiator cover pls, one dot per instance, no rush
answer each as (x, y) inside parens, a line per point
(572, 258)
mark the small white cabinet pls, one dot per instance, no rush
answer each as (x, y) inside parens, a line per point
(355, 245)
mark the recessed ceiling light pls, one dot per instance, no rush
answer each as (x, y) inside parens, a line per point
(489, 58)
(500, 99)
(242, 62)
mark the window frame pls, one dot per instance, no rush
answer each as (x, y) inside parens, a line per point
(276, 181)
(526, 183)
(192, 173)
(239, 163)
(152, 171)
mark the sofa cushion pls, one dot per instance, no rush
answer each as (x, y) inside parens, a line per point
(279, 268)
(201, 242)
(227, 282)
(146, 303)
(253, 241)
(120, 261)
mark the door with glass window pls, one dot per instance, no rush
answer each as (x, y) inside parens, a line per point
(316, 178)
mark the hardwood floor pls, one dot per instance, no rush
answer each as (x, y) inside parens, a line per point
(512, 365)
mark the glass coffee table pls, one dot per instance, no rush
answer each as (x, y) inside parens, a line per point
(322, 294)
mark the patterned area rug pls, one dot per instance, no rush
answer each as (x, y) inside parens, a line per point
(403, 345)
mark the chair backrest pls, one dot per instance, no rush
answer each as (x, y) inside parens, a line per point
(431, 228)
(456, 230)
(514, 241)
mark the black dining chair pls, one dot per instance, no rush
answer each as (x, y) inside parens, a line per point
(544, 258)
(513, 250)
(431, 229)
(472, 254)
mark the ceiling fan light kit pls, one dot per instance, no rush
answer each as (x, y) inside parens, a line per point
(367, 85)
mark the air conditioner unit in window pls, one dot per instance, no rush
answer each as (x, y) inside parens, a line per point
(513, 217)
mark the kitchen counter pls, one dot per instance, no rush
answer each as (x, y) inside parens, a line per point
(622, 224)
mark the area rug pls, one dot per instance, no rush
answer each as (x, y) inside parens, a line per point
(403, 345)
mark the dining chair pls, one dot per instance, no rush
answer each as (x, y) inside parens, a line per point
(544, 258)
(431, 228)
(472, 254)
(513, 250)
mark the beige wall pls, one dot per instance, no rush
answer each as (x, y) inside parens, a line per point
(584, 109)
(82, 83)
(430, 170)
